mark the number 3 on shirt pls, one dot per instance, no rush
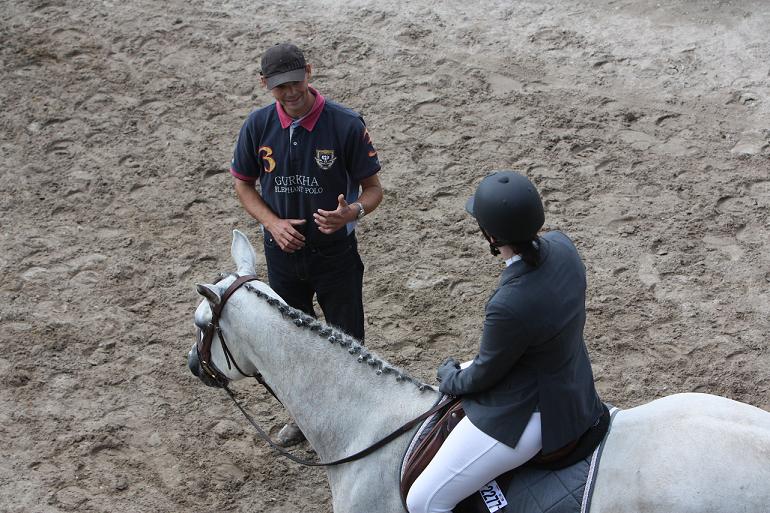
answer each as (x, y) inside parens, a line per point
(268, 162)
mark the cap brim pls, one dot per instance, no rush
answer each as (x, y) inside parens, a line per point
(469, 206)
(295, 75)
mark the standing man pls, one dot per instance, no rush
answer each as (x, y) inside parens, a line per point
(317, 172)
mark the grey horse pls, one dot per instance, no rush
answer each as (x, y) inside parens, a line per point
(683, 453)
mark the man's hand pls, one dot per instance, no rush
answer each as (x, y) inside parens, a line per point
(282, 230)
(286, 236)
(329, 221)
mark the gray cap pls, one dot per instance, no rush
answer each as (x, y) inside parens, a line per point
(283, 63)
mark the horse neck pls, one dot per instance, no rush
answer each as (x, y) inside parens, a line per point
(332, 389)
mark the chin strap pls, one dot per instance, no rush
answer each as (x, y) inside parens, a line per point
(493, 245)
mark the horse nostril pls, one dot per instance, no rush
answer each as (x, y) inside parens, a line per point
(192, 362)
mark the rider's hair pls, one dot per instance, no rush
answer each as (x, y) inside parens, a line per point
(529, 251)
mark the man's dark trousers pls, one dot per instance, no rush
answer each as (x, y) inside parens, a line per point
(334, 273)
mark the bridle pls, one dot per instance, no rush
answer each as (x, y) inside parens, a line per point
(203, 348)
(206, 338)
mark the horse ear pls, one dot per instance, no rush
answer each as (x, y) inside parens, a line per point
(243, 254)
(210, 292)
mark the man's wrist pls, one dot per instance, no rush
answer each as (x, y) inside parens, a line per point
(270, 223)
(360, 212)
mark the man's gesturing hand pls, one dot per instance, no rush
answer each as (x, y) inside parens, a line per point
(329, 221)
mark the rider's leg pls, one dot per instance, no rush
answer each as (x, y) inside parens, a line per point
(469, 459)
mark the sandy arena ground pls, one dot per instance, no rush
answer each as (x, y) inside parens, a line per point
(645, 124)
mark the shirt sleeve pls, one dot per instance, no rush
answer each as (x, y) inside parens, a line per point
(362, 160)
(245, 164)
(503, 342)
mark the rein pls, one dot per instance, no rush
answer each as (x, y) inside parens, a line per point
(204, 357)
(360, 454)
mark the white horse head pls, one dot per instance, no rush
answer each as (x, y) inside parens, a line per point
(245, 258)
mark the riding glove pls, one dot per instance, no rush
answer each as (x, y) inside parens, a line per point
(447, 368)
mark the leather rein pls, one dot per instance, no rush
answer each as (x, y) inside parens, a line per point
(203, 347)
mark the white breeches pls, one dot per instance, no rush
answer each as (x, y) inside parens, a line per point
(467, 461)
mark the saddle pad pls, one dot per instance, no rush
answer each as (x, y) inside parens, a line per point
(547, 491)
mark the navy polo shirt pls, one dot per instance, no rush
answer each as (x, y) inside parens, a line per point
(305, 168)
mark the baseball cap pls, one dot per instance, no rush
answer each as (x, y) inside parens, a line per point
(283, 63)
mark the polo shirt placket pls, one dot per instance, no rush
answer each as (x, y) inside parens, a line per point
(296, 132)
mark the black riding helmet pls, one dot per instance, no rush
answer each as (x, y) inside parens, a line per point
(507, 207)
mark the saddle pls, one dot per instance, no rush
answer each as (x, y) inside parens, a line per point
(432, 435)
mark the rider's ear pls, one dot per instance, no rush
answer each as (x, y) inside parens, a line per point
(209, 292)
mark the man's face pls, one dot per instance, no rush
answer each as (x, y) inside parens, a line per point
(295, 97)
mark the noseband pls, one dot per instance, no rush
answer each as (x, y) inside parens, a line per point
(205, 339)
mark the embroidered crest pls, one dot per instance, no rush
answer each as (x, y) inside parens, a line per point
(325, 158)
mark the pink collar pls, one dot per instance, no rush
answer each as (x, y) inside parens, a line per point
(309, 120)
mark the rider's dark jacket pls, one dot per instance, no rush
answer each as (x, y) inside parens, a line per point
(532, 353)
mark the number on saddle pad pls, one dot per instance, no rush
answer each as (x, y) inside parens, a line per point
(493, 497)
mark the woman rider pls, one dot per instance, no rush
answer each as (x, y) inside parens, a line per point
(530, 388)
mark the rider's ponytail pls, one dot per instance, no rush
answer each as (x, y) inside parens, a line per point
(529, 251)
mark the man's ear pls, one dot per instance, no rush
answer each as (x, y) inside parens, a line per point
(263, 81)
(308, 72)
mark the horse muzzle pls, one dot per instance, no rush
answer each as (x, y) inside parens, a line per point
(194, 364)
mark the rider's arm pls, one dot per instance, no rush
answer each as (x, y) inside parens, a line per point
(502, 344)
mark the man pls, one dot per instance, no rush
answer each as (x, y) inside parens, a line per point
(317, 171)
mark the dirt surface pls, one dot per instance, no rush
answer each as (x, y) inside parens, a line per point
(646, 125)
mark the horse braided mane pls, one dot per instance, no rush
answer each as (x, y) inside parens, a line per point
(334, 336)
